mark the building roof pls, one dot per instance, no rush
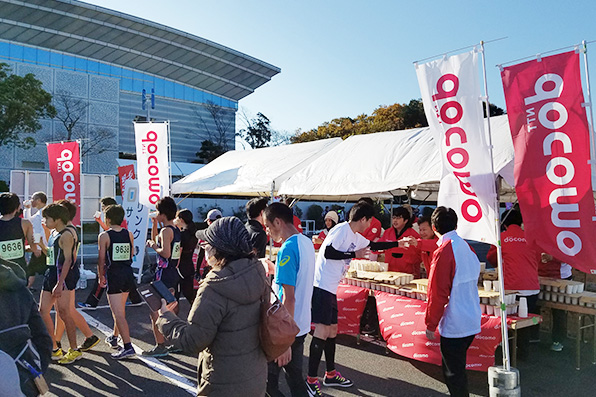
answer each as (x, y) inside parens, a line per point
(105, 35)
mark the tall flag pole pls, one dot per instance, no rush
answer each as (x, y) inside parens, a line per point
(591, 125)
(497, 225)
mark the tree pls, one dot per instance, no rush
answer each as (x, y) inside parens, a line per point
(384, 118)
(209, 151)
(258, 131)
(220, 130)
(494, 110)
(23, 102)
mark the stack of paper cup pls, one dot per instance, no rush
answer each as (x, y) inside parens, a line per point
(523, 307)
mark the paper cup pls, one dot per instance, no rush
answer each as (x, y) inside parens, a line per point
(490, 310)
(496, 285)
(487, 285)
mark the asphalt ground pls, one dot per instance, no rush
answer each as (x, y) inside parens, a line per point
(374, 371)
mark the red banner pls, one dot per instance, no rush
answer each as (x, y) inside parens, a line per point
(551, 141)
(401, 321)
(65, 169)
(351, 301)
(125, 173)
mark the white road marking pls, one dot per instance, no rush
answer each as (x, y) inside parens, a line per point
(153, 363)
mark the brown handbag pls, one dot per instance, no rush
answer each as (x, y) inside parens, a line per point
(278, 329)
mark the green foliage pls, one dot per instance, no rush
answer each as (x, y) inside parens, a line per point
(240, 213)
(209, 151)
(257, 132)
(384, 118)
(315, 213)
(23, 102)
(202, 211)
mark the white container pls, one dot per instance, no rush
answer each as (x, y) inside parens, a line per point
(496, 285)
(540, 295)
(561, 298)
(497, 311)
(547, 296)
(581, 288)
(568, 300)
(482, 308)
(487, 284)
(548, 287)
(490, 310)
(574, 301)
(523, 307)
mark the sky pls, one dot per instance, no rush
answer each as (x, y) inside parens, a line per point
(346, 58)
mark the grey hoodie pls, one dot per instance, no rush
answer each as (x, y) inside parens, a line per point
(223, 328)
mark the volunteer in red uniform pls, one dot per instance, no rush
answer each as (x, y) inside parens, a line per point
(453, 303)
(403, 259)
(426, 245)
(331, 219)
(374, 231)
(520, 269)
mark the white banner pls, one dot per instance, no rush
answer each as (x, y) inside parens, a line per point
(137, 220)
(452, 102)
(152, 162)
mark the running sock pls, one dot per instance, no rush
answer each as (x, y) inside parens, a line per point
(330, 355)
(128, 346)
(59, 344)
(317, 346)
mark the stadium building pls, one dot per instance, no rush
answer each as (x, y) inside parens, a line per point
(96, 62)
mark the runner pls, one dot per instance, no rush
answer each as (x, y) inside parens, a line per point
(13, 231)
(294, 276)
(343, 243)
(37, 264)
(167, 246)
(115, 273)
(60, 280)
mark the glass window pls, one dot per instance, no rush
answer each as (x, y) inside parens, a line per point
(126, 73)
(115, 71)
(178, 91)
(137, 85)
(126, 84)
(30, 54)
(16, 51)
(68, 62)
(188, 93)
(4, 49)
(159, 86)
(198, 96)
(92, 67)
(169, 89)
(104, 69)
(81, 64)
(43, 57)
(55, 59)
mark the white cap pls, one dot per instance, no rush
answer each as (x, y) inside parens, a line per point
(333, 216)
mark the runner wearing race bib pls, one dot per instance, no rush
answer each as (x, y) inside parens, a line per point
(13, 231)
(115, 272)
(167, 246)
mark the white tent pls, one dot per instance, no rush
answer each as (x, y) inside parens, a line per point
(387, 162)
(253, 172)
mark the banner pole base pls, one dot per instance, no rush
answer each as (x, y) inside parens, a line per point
(503, 382)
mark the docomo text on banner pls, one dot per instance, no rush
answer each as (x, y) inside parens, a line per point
(450, 113)
(559, 170)
(66, 166)
(150, 146)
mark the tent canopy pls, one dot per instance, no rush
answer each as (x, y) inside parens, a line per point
(253, 172)
(388, 162)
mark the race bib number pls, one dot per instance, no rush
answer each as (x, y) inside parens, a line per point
(11, 249)
(50, 257)
(176, 251)
(121, 251)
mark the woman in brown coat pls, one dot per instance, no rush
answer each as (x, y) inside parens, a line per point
(223, 323)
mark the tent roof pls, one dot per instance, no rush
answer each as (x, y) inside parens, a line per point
(387, 162)
(253, 172)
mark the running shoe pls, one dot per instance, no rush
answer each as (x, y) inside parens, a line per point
(89, 343)
(156, 351)
(124, 353)
(314, 389)
(173, 349)
(57, 354)
(87, 306)
(337, 381)
(113, 341)
(71, 357)
(556, 347)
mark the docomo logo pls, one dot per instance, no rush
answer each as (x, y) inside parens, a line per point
(150, 147)
(66, 166)
(550, 86)
(514, 240)
(451, 112)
